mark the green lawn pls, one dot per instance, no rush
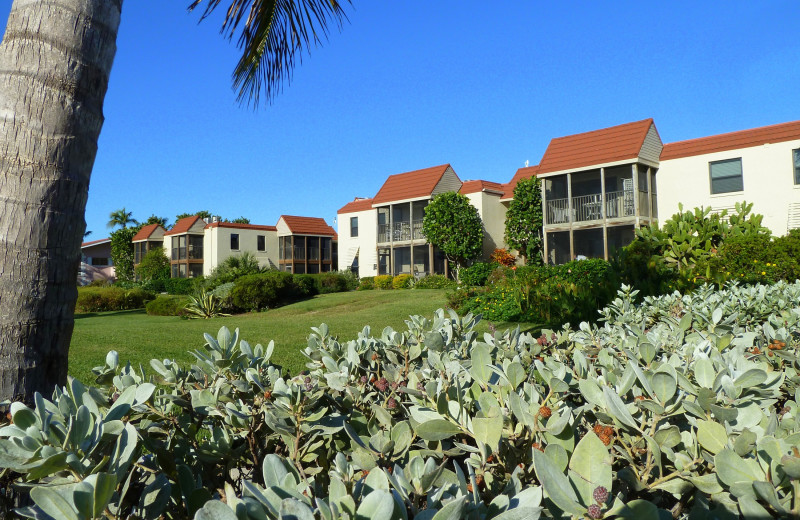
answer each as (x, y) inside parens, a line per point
(139, 337)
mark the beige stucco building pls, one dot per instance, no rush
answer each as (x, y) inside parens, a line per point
(222, 240)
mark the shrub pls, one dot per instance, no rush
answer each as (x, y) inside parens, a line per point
(101, 299)
(477, 273)
(503, 257)
(340, 281)
(366, 283)
(223, 293)
(205, 306)
(168, 305)
(307, 285)
(383, 281)
(435, 281)
(154, 265)
(232, 268)
(182, 285)
(403, 281)
(696, 414)
(264, 291)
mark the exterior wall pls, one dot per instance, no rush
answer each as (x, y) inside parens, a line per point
(767, 176)
(217, 246)
(493, 216)
(448, 182)
(365, 243)
(652, 146)
(89, 273)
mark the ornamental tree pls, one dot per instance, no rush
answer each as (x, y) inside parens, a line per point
(154, 265)
(453, 225)
(122, 253)
(524, 221)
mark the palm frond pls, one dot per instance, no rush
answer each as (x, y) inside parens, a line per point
(273, 36)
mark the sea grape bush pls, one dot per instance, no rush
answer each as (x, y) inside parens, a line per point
(682, 406)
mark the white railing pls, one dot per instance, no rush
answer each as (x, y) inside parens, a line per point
(586, 208)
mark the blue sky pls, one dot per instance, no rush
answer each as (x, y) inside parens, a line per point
(407, 85)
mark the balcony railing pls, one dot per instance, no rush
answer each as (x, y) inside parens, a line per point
(585, 208)
(400, 231)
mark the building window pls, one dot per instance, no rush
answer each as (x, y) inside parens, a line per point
(234, 241)
(353, 226)
(796, 157)
(726, 176)
(261, 243)
(99, 261)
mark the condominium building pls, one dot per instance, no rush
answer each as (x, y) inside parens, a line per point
(306, 245)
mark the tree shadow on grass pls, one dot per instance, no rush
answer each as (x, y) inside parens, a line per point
(109, 313)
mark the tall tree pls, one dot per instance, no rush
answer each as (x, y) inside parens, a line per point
(453, 225)
(55, 61)
(121, 218)
(524, 220)
(153, 219)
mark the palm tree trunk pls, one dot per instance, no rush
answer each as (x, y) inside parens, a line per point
(55, 61)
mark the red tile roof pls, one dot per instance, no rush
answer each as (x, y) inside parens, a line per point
(523, 173)
(478, 186)
(308, 226)
(183, 225)
(145, 232)
(95, 242)
(357, 205)
(732, 140)
(410, 185)
(236, 225)
(616, 143)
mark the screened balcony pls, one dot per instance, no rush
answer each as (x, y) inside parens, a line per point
(401, 222)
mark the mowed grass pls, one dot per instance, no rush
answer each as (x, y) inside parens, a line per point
(139, 338)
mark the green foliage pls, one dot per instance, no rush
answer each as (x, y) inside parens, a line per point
(337, 281)
(264, 291)
(153, 219)
(434, 281)
(241, 220)
(403, 281)
(232, 268)
(121, 218)
(366, 283)
(204, 214)
(101, 299)
(684, 403)
(307, 285)
(383, 281)
(477, 273)
(680, 255)
(168, 305)
(205, 305)
(524, 220)
(122, 252)
(154, 265)
(453, 225)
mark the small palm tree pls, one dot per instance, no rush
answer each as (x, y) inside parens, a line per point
(122, 218)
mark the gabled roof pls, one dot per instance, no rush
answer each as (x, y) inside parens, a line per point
(145, 232)
(523, 173)
(732, 140)
(478, 186)
(608, 145)
(236, 225)
(410, 185)
(308, 226)
(96, 242)
(183, 225)
(357, 205)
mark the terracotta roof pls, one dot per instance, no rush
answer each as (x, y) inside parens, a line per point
(236, 225)
(95, 242)
(477, 186)
(145, 232)
(183, 225)
(410, 185)
(522, 173)
(732, 140)
(357, 205)
(308, 226)
(616, 143)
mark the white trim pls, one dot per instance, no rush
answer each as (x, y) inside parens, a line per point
(633, 160)
(401, 201)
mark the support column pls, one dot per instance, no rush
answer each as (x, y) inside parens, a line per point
(649, 197)
(545, 252)
(430, 258)
(603, 211)
(635, 170)
(569, 214)
(411, 236)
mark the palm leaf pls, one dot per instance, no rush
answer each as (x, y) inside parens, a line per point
(273, 35)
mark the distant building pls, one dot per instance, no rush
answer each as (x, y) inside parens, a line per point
(96, 262)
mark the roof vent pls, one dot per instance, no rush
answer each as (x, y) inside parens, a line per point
(215, 219)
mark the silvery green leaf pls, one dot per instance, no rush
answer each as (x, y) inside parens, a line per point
(712, 436)
(664, 386)
(590, 467)
(752, 377)
(377, 505)
(487, 430)
(453, 510)
(437, 430)
(732, 468)
(617, 408)
(53, 504)
(292, 509)
(556, 484)
(215, 510)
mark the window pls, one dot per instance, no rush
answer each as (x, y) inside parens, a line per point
(234, 241)
(796, 157)
(726, 176)
(261, 243)
(353, 226)
(99, 261)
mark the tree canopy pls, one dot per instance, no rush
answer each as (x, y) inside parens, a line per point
(121, 218)
(524, 221)
(453, 225)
